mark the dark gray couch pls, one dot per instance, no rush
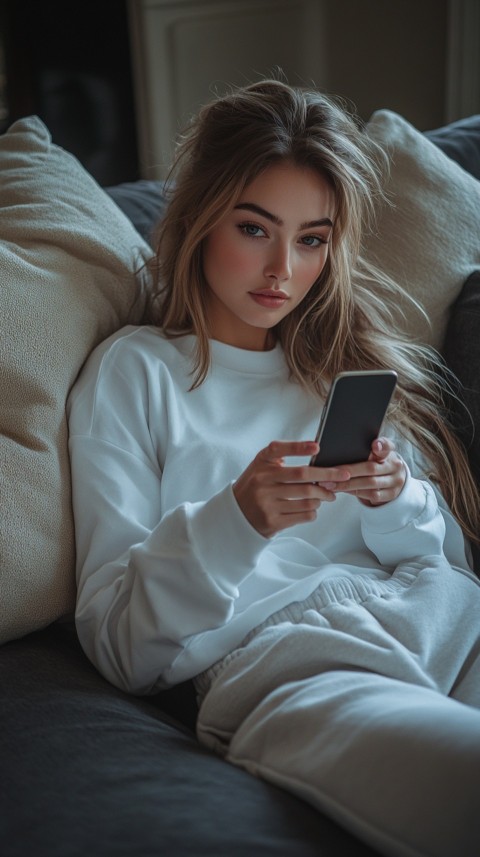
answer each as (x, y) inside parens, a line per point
(86, 769)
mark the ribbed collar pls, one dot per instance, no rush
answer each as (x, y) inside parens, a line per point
(236, 359)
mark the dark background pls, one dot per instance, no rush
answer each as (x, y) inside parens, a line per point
(69, 63)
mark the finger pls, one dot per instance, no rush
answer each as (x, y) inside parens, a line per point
(378, 490)
(374, 467)
(367, 469)
(373, 483)
(279, 449)
(306, 501)
(377, 498)
(381, 448)
(302, 505)
(326, 476)
(359, 486)
(301, 490)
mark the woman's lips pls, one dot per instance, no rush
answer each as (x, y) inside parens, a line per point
(269, 299)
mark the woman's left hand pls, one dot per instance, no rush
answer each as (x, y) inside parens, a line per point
(378, 480)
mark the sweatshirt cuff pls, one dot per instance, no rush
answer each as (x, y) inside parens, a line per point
(398, 513)
(228, 545)
(408, 527)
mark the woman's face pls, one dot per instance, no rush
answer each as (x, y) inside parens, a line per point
(267, 252)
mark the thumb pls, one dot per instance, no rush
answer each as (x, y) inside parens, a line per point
(381, 448)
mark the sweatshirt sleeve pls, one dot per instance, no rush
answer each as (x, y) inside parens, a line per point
(418, 523)
(147, 578)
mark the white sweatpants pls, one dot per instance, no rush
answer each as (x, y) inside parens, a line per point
(365, 701)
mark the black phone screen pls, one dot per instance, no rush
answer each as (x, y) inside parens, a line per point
(352, 417)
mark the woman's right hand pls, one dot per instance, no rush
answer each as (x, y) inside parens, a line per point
(274, 496)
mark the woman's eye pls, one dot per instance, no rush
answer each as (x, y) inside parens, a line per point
(313, 240)
(252, 230)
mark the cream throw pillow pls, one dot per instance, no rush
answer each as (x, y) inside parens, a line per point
(429, 241)
(67, 254)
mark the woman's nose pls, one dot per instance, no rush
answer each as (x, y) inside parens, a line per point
(279, 265)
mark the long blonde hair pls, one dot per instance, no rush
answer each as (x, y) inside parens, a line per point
(349, 318)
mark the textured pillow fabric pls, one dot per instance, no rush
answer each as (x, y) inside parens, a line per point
(67, 256)
(429, 239)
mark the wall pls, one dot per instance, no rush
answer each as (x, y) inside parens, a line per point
(373, 53)
(63, 58)
(390, 54)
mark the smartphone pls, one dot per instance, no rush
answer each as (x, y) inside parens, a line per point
(352, 417)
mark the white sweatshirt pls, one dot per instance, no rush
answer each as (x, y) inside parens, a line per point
(171, 576)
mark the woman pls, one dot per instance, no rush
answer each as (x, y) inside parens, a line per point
(328, 616)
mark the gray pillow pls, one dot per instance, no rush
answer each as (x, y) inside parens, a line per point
(462, 354)
(460, 141)
(143, 202)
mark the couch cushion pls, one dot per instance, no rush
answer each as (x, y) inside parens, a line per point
(460, 141)
(91, 770)
(143, 202)
(67, 257)
(428, 240)
(462, 353)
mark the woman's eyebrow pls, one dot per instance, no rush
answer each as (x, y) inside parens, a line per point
(324, 221)
(257, 209)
